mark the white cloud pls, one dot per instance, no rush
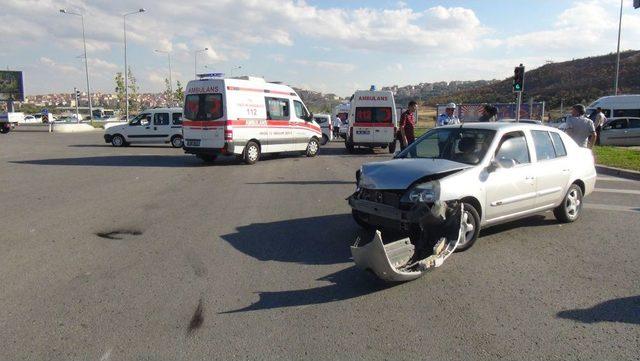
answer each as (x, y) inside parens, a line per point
(62, 68)
(327, 65)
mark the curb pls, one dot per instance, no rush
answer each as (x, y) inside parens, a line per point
(617, 172)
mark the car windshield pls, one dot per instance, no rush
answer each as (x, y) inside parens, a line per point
(461, 145)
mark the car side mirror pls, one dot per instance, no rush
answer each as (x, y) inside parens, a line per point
(309, 117)
(493, 166)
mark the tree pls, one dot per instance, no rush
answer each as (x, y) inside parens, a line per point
(120, 94)
(134, 102)
(179, 93)
(168, 94)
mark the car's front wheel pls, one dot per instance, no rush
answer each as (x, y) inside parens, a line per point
(118, 141)
(470, 227)
(177, 141)
(569, 210)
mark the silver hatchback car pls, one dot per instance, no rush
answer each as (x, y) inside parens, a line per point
(497, 171)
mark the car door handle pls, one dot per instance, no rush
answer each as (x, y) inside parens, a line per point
(529, 177)
(147, 128)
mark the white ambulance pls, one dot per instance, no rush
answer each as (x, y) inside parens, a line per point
(246, 117)
(372, 120)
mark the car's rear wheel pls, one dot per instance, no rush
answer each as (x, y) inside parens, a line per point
(118, 141)
(325, 139)
(349, 146)
(312, 148)
(176, 141)
(5, 129)
(471, 227)
(392, 147)
(251, 153)
(570, 208)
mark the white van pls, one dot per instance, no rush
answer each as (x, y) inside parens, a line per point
(246, 117)
(342, 111)
(326, 125)
(372, 120)
(616, 106)
(157, 125)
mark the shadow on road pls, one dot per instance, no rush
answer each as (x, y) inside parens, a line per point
(158, 146)
(346, 284)
(533, 221)
(313, 241)
(122, 161)
(304, 183)
(625, 310)
(356, 152)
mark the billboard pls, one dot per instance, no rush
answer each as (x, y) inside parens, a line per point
(472, 112)
(11, 86)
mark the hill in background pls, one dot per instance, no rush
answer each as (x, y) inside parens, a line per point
(575, 81)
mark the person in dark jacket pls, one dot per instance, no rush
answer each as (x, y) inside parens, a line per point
(488, 113)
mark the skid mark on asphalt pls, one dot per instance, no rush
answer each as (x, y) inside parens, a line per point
(197, 319)
(118, 234)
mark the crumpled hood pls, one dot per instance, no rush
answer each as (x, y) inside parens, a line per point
(401, 173)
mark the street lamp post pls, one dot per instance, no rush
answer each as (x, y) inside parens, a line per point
(195, 61)
(126, 74)
(86, 60)
(618, 57)
(170, 80)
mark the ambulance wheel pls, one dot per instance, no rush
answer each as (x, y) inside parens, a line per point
(349, 146)
(471, 225)
(312, 148)
(251, 153)
(569, 210)
(325, 139)
(392, 147)
(5, 130)
(118, 141)
(176, 141)
(207, 158)
(357, 216)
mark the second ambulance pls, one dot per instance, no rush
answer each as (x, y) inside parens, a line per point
(246, 117)
(372, 121)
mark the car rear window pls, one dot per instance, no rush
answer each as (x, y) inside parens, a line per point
(373, 115)
(543, 145)
(558, 144)
(203, 107)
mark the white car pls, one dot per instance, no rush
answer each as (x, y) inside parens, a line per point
(324, 121)
(157, 125)
(621, 131)
(496, 172)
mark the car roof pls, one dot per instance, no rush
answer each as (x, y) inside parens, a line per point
(499, 126)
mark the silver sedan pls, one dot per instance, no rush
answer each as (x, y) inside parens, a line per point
(498, 172)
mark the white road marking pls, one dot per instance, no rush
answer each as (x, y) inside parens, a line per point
(614, 179)
(620, 191)
(608, 207)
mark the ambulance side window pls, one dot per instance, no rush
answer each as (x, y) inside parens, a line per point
(301, 111)
(277, 108)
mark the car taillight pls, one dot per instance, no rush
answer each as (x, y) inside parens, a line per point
(228, 134)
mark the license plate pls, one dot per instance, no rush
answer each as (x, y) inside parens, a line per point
(193, 142)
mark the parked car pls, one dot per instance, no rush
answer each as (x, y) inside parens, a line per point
(157, 125)
(324, 121)
(498, 171)
(621, 131)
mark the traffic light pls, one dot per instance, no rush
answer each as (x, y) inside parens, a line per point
(518, 78)
(77, 94)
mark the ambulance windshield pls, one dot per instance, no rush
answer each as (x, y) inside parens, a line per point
(203, 107)
(373, 115)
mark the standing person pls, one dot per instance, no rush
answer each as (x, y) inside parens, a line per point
(448, 117)
(581, 128)
(488, 113)
(598, 122)
(337, 122)
(407, 125)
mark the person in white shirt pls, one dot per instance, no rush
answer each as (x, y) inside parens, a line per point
(448, 117)
(598, 122)
(337, 122)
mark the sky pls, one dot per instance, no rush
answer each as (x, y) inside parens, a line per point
(328, 46)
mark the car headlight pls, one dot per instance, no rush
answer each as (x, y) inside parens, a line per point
(424, 193)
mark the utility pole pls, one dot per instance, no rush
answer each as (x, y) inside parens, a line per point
(75, 93)
(126, 69)
(615, 92)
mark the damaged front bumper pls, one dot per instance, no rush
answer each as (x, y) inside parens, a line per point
(400, 261)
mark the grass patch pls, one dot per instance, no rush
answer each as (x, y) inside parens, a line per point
(618, 157)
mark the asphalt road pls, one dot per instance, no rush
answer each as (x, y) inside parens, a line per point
(145, 253)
